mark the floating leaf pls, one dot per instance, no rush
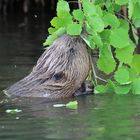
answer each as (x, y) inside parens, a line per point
(72, 105)
(13, 111)
(122, 75)
(59, 105)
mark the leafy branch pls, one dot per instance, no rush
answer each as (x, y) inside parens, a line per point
(105, 29)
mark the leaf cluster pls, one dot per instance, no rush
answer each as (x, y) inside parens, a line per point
(107, 30)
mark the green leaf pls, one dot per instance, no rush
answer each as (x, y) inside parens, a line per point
(119, 38)
(89, 9)
(74, 29)
(72, 105)
(89, 41)
(62, 21)
(133, 74)
(99, 10)
(105, 36)
(106, 62)
(136, 11)
(124, 24)
(51, 38)
(136, 86)
(136, 63)
(130, 9)
(117, 7)
(122, 75)
(56, 22)
(122, 2)
(108, 4)
(60, 31)
(135, 35)
(122, 89)
(66, 15)
(78, 15)
(88, 28)
(108, 88)
(136, 22)
(97, 39)
(100, 89)
(121, 53)
(51, 30)
(13, 111)
(62, 7)
(112, 20)
(96, 23)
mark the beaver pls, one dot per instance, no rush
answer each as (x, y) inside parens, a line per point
(59, 72)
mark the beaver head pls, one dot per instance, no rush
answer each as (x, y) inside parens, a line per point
(59, 72)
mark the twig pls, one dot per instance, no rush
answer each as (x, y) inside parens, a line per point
(93, 70)
(101, 79)
(125, 18)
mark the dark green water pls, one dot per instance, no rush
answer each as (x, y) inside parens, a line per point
(106, 117)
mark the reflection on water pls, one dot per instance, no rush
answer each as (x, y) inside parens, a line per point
(21, 41)
(108, 117)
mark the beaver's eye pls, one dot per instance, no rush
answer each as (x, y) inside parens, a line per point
(57, 76)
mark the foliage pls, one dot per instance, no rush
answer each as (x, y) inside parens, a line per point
(70, 105)
(107, 29)
(13, 111)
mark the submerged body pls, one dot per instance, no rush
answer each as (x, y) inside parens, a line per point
(59, 72)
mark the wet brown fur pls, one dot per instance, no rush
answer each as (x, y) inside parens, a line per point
(59, 72)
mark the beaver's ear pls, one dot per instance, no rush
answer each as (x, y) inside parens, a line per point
(57, 76)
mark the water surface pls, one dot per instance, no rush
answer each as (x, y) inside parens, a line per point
(104, 117)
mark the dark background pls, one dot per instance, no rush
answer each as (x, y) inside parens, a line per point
(27, 6)
(23, 29)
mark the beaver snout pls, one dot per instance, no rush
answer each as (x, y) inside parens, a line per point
(59, 72)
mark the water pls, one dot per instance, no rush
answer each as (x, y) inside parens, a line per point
(104, 117)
